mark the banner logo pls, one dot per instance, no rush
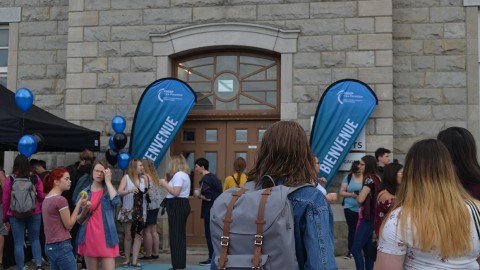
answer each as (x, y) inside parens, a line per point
(169, 95)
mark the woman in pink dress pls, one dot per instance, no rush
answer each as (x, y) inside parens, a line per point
(97, 237)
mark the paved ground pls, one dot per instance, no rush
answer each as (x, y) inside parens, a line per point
(194, 256)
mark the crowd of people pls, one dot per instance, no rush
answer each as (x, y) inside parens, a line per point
(398, 217)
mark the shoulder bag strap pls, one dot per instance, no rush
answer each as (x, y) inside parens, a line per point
(236, 181)
(225, 239)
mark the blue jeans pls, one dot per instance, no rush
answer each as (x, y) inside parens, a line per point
(352, 218)
(32, 224)
(363, 240)
(61, 256)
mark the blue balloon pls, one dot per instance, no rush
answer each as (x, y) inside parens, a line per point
(24, 99)
(27, 145)
(118, 124)
(111, 144)
(123, 159)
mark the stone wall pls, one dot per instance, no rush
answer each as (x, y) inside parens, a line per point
(434, 42)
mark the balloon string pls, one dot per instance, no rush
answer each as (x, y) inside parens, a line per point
(23, 123)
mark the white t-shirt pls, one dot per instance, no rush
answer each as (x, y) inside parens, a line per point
(180, 179)
(322, 189)
(390, 242)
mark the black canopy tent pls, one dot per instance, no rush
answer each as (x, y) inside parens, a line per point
(59, 134)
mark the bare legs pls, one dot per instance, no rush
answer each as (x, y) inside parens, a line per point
(107, 263)
(136, 248)
(151, 241)
(127, 240)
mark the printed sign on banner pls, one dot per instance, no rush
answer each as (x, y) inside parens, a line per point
(341, 114)
(160, 113)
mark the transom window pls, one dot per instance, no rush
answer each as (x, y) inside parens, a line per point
(232, 81)
(3, 55)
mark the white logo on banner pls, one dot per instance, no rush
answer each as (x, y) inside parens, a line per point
(348, 97)
(168, 95)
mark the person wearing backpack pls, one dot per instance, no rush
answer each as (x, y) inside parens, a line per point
(349, 190)
(238, 178)
(21, 201)
(210, 189)
(285, 161)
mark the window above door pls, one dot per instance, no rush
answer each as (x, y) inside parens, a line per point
(232, 84)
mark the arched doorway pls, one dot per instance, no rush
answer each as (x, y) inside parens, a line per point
(172, 46)
(237, 99)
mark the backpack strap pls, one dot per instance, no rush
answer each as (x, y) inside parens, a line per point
(257, 254)
(225, 239)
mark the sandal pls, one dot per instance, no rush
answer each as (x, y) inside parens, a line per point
(136, 266)
(126, 264)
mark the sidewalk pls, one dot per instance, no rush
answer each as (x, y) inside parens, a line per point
(194, 256)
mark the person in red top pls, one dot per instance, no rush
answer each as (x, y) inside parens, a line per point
(57, 218)
(392, 177)
(21, 169)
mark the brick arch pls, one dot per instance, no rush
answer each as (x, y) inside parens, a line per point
(225, 34)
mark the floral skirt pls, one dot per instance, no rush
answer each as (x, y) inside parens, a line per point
(125, 215)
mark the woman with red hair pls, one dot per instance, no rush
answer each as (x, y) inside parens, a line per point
(57, 218)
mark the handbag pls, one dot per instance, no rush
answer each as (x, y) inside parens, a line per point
(163, 205)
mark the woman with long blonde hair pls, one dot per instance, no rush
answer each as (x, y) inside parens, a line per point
(178, 209)
(155, 195)
(431, 225)
(132, 188)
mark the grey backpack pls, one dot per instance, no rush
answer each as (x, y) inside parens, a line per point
(23, 197)
(253, 229)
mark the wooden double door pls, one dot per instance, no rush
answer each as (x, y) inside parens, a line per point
(220, 142)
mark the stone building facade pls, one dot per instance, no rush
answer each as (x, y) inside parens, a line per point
(87, 61)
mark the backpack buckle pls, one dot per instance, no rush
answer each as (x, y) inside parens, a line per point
(224, 241)
(258, 240)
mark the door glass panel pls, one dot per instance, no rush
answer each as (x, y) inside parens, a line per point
(3, 58)
(198, 62)
(261, 132)
(211, 135)
(3, 37)
(205, 70)
(241, 135)
(212, 160)
(232, 105)
(226, 63)
(189, 135)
